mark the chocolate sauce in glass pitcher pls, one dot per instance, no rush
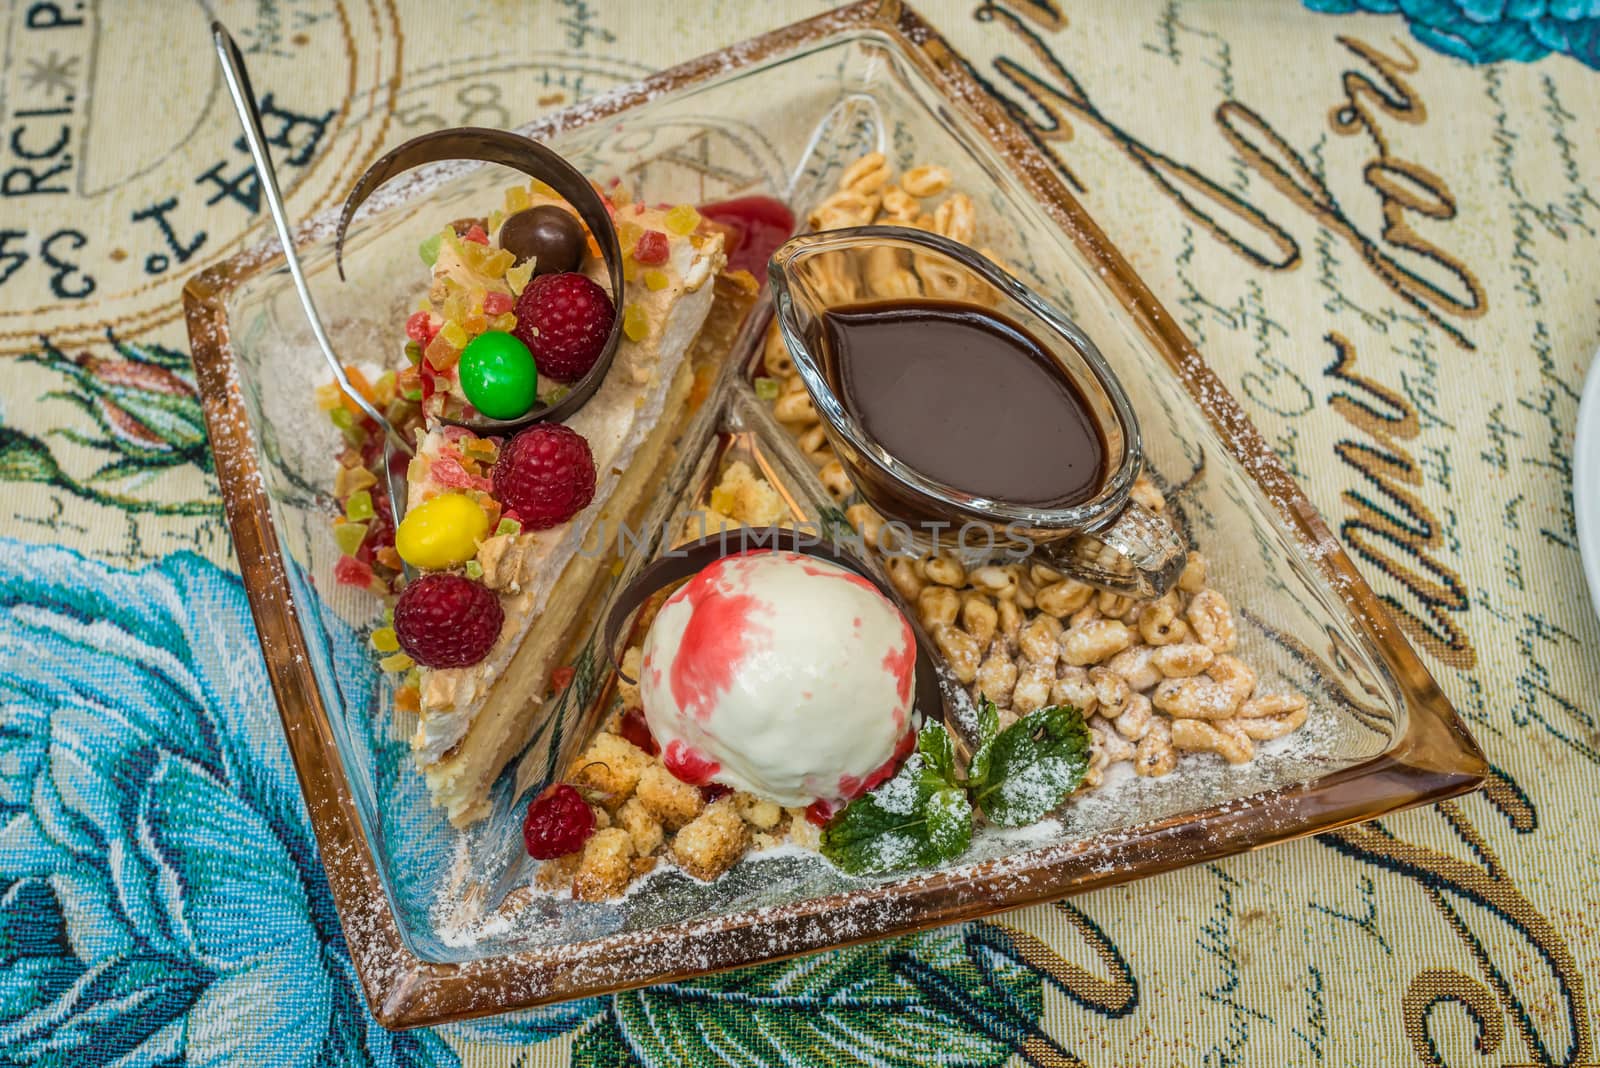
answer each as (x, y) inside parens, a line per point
(965, 397)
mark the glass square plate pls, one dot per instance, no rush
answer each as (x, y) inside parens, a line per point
(430, 934)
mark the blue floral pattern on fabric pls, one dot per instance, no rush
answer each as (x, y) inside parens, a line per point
(1487, 31)
(161, 900)
(162, 897)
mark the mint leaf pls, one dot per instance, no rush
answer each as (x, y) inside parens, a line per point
(949, 823)
(919, 817)
(988, 720)
(1029, 768)
(988, 729)
(938, 754)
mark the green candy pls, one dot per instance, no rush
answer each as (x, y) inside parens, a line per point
(498, 375)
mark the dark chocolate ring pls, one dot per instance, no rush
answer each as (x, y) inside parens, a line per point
(691, 557)
(536, 161)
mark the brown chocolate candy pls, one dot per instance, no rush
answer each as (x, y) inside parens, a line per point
(550, 236)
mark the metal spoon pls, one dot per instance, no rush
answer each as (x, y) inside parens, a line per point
(244, 102)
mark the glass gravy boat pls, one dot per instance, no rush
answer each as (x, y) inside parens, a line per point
(1107, 540)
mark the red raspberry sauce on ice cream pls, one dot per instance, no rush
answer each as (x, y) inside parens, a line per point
(786, 676)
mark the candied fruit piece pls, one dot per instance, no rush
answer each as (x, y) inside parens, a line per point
(542, 188)
(385, 641)
(474, 570)
(497, 303)
(498, 262)
(419, 327)
(349, 537)
(441, 356)
(351, 478)
(634, 322)
(429, 249)
(651, 248)
(628, 234)
(517, 277)
(476, 235)
(359, 382)
(508, 526)
(655, 278)
(396, 663)
(349, 571)
(517, 199)
(683, 219)
(327, 396)
(768, 388)
(359, 507)
(454, 335)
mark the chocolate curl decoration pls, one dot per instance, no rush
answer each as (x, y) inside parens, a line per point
(536, 161)
(692, 557)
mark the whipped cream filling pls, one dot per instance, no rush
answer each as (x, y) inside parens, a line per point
(615, 422)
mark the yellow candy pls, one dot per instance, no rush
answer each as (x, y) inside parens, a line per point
(442, 532)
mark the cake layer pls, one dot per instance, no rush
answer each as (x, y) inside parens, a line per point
(459, 779)
(474, 719)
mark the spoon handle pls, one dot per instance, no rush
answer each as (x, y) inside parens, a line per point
(244, 103)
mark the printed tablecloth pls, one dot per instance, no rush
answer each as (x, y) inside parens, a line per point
(1377, 219)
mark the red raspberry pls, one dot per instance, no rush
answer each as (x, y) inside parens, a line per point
(634, 728)
(558, 822)
(651, 249)
(446, 621)
(546, 475)
(564, 320)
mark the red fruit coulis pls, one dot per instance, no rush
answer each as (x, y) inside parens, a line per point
(759, 225)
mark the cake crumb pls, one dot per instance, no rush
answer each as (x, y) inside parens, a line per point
(667, 798)
(710, 845)
(645, 829)
(605, 869)
(758, 812)
(557, 874)
(611, 767)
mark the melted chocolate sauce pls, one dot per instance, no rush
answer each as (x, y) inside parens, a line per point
(967, 398)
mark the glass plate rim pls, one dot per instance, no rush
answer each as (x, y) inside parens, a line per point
(1435, 758)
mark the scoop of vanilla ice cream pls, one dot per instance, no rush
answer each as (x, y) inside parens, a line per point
(780, 674)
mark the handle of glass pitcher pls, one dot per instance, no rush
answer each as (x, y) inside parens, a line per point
(1139, 554)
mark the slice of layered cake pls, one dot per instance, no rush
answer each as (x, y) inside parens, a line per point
(509, 535)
